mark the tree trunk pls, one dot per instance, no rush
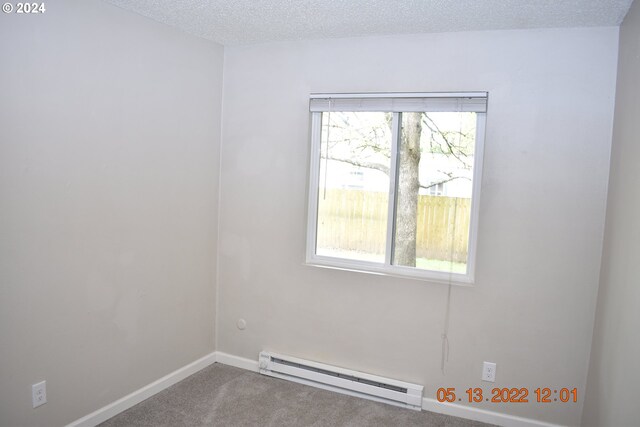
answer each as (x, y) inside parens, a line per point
(408, 186)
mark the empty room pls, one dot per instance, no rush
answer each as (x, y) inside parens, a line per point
(320, 213)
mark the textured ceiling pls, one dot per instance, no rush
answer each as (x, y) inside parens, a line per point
(249, 21)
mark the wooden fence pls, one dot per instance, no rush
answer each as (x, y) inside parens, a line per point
(355, 220)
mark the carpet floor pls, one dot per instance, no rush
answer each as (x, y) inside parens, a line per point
(221, 395)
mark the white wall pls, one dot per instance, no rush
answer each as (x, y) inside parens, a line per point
(541, 220)
(109, 148)
(614, 375)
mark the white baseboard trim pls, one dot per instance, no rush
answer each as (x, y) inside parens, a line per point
(238, 362)
(428, 404)
(482, 415)
(144, 393)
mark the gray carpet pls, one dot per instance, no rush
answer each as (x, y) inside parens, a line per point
(221, 395)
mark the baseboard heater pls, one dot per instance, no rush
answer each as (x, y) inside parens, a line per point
(341, 380)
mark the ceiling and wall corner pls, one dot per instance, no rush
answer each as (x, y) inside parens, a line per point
(248, 21)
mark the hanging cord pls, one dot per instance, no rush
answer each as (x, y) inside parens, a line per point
(445, 331)
(447, 312)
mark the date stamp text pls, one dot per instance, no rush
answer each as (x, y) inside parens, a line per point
(509, 395)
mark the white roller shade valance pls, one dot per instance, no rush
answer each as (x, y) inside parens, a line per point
(397, 102)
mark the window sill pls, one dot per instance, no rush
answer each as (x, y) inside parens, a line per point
(457, 279)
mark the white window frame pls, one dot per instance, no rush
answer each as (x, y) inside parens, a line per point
(383, 100)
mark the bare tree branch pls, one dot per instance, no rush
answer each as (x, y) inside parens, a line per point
(434, 128)
(444, 181)
(363, 164)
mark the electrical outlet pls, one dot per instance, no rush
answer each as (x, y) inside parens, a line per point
(39, 393)
(489, 372)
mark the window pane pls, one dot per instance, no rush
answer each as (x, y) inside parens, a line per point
(353, 192)
(435, 181)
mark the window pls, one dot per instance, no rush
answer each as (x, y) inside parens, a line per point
(394, 183)
(436, 188)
